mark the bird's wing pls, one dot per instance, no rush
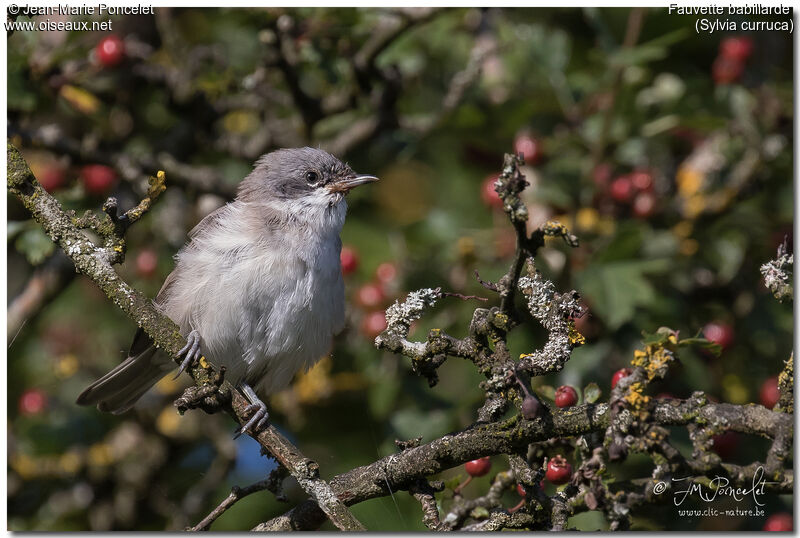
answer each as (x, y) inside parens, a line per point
(209, 221)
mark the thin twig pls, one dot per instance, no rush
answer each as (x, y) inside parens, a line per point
(462, 297)
(235, 495)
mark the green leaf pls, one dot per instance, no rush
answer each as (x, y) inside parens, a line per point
(453, 483)
(660, 337)
(591, 393)
(13, 227)
(615, 289)
(702, 343)
(35, 245)
(727, 254)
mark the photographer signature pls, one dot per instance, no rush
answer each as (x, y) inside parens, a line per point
(717, 487)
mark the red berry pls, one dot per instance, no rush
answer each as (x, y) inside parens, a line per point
(780, 522)
(726, 70)
(644, 204)
(725, 444)
(146, 262)
(770, 393)
(665, 396)
(619, 374)
(386, 272)
(478, 467)
(373, 324)
(349, 259)
(566, 396)
(97, 178)
(621, 189)
(559, 470)
(110, 51)
(719, 333)
(370, 295)
(736, 48)
(489, 195)
(52, 178)
(530, 148)
(32, 402)
(641, 180)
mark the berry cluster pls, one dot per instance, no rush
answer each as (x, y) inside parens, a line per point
(634, 190)
(373, 296)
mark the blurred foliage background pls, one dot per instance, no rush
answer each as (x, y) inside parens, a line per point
(668, 153)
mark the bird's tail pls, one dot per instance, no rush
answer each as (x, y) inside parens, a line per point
(119, 389)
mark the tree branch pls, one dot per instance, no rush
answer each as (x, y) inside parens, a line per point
(47, 282)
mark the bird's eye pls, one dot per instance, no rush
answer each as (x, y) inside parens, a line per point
(312, 177)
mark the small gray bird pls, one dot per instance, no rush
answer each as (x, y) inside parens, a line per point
(258, 289)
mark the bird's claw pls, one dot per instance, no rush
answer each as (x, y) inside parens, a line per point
(190, 352)
(260, 417)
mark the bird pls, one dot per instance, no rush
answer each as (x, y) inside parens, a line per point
(257, 289)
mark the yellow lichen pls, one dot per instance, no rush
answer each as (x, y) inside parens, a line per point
(575, 337)
(653, 359)
(639, 358)
(638, 401)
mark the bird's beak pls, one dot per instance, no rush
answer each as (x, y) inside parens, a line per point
(344, 185)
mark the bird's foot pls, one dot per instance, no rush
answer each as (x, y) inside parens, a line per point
(260, 417)
(190, 352)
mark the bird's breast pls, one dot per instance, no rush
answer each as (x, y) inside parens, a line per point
(265, 307)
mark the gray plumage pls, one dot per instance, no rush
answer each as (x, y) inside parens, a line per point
(260, 281)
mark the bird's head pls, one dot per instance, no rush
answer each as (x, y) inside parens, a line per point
(300, 178)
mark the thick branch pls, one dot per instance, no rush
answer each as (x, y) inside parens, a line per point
(400, 471)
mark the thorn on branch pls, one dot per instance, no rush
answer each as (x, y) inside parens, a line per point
(119, 222)
(411, 443)
(488, 285)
